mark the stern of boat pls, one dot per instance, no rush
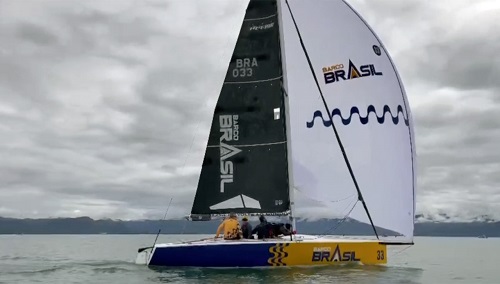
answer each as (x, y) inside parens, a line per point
(143, 255)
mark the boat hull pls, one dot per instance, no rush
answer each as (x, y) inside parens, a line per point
(265, 253)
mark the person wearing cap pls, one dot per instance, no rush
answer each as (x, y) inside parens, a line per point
(230, 227)
(246, 228)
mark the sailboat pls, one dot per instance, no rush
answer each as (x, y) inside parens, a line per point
(311, 102)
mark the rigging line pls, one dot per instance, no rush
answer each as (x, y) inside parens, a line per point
(258, 19)
(198, 121)
(335, 227)
(402, 250)
(250, 145)
(159, 230)
(360, 196)
(253, 82)
(331, 230)
(222, 56)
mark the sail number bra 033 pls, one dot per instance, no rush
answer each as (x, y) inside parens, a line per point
(244, 67)
(229, 129)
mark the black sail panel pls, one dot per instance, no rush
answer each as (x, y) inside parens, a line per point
(245, 165)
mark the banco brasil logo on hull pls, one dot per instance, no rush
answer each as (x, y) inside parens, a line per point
(321, 254)
(338, 72)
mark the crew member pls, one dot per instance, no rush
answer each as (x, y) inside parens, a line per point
(230, 227)
(246, 228)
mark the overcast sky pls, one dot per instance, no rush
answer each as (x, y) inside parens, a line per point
(105, 106)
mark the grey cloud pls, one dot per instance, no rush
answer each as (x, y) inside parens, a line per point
(469, 63)
(36, 34)
(69, 155)
(445, 44)
(105, 107)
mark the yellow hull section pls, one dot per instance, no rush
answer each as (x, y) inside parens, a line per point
(303, 253)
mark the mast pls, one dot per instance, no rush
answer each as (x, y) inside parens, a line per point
(291, 188)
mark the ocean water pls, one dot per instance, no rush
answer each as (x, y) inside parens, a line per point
(111, 259)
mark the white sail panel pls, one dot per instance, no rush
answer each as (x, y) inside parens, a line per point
(237, 202)
(370, 112)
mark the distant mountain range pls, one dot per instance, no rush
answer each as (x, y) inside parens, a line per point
(86, 225)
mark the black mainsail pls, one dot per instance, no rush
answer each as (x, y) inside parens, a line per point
(245, 168)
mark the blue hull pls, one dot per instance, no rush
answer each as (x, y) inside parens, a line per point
(227, 255)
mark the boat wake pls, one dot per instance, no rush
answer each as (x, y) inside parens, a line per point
(93, 267)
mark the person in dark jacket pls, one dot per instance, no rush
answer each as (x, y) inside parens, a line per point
(262, 229)
(246, 228)
(278, 229)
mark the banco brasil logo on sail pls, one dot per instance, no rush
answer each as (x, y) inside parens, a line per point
(338, 72)
(229, 129)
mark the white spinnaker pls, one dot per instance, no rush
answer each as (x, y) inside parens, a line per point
(381, 154)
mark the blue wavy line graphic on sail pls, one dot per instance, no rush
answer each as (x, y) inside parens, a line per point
(362, 119)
